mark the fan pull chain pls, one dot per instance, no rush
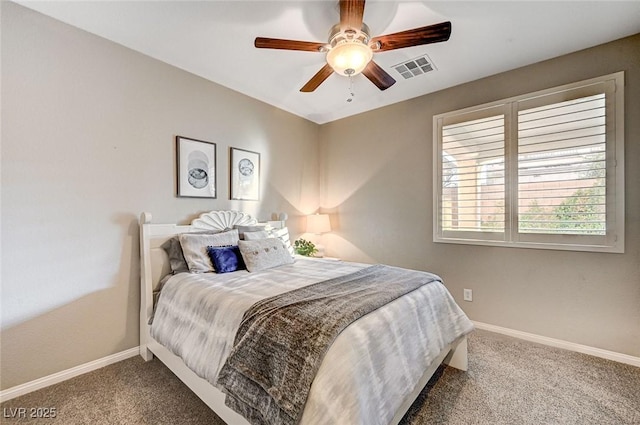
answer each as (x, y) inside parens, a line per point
(351, 93)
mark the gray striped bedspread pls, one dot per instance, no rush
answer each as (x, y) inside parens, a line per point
(368, 371)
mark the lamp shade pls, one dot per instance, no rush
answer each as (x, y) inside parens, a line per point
(318, 223)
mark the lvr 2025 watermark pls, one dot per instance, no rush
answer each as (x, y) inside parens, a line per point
(29, 412)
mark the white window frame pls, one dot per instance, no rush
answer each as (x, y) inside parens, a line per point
(612, 241)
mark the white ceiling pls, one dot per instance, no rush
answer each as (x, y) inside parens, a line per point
(214, 39)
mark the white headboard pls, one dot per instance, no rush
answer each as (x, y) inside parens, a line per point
(154, 262)
(222, 220)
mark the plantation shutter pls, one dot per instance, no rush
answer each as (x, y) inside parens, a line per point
(562, 167)
(542, 170)
(472, 179)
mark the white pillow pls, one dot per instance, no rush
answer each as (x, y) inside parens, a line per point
(250, 228)
(283, 235)
(194, 248)
(260, 234)
(264, 254)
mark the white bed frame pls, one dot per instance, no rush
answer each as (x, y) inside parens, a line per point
(155, 265)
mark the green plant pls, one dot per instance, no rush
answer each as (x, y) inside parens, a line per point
(305, 247)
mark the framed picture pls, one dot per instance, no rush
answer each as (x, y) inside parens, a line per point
(244, 175)
(196, 168)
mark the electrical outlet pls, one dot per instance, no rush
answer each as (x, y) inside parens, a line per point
(468, 295)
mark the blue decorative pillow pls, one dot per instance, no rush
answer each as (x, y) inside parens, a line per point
(226, 258)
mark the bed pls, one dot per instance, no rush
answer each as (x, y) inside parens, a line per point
(370, 374)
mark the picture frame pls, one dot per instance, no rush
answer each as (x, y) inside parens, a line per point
(195, 168)
(244, 175)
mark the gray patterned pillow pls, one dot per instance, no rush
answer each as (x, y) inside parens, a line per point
(264, 254)
(194, 248)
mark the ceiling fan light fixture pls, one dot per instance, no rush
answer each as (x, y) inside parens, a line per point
(349, 51)
(350, 48)
(349, 57)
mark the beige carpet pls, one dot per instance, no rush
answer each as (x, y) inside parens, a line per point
(509, 382)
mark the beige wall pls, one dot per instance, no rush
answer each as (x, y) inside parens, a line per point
(376, 177)
(88, 131)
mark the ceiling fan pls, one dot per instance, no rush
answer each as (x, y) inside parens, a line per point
(350, 48)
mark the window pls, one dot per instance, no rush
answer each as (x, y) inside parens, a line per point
(544, 170)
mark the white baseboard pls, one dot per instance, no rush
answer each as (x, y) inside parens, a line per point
(558, 343)
(40, 383)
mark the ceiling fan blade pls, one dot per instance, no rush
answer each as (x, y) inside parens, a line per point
(317, 79)
(378, 76)
(278, 43)
(415, 37)
(351, 12)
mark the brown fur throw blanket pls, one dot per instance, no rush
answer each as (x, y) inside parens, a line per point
(283, 339)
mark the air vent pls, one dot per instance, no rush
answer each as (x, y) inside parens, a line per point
(415, 67)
